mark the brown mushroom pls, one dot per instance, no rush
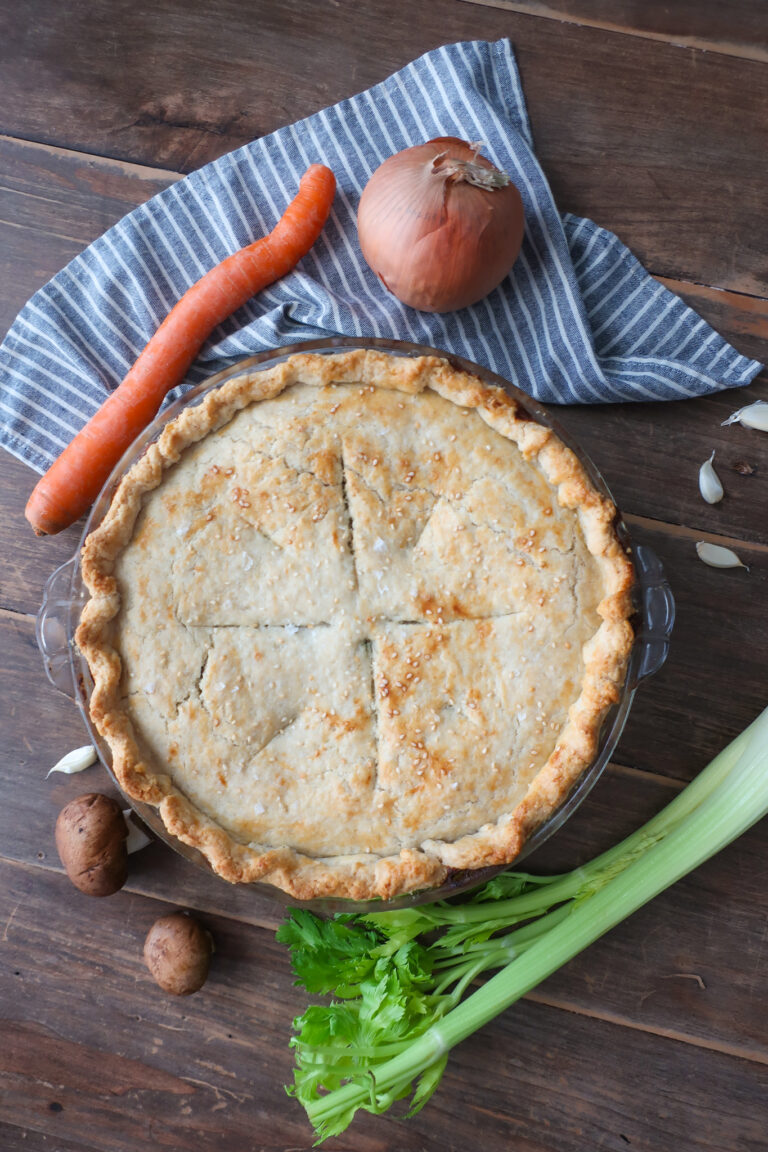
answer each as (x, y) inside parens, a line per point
(91, 836)
(178, 952)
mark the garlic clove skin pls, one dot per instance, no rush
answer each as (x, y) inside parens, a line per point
(137, 837)
(753, 416)
(718, 557)
(709, 482)
(75, 761)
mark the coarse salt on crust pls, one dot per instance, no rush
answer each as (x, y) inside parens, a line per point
(382, 612)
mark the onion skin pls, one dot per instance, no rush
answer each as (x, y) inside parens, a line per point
(437, 242)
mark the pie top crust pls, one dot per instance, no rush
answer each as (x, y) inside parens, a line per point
(355, 621)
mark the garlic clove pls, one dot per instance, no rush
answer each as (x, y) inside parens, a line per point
(718, 557)
(137, 837)
(709, 482)
(75, 761)
(753, 415)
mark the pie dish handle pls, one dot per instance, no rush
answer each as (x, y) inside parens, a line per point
(656, 607)
(55, 625)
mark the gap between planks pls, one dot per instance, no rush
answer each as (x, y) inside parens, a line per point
(125, 167)
(749, 52)
(682, 532)
(534, 996)
(690, 286)
(12, 614)
(621, 1021)
(145, 172)
(269, 922)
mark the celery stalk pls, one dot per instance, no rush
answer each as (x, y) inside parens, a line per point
(728, 797)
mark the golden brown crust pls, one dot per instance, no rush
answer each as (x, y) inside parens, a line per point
(466, 641)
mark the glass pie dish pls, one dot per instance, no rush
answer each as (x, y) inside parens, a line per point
(65, 596)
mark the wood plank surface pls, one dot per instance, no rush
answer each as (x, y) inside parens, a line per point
(15, 1138)
(50, 192)
(660, 162)
(650, 455)
(738, 28)
(53, 203)
(655, 1038)
(179, 1073)
(677, 935)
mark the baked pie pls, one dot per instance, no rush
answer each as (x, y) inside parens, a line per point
(355, 622)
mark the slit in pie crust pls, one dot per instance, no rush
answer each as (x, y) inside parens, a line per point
(355, 622)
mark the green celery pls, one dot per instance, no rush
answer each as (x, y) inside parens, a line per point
(392, 1032)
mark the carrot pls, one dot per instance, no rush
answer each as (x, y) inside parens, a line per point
(74, 480)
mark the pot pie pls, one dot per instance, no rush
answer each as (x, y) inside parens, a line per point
(355, 621)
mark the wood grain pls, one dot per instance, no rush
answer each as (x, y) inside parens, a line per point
(737, 28)
(675, 936)
(650, 455)
(120, 1059)
(183, 1073)
(49, 192)
(676, 187)
(14, 1138)
(660, 162)
(655, 1038)
(27, 561)
(53, 203)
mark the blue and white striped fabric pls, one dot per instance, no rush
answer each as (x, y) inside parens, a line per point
(577, 321)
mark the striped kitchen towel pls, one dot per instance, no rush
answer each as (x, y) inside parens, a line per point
(578, 320)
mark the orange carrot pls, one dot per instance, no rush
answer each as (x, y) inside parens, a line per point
(75, 479)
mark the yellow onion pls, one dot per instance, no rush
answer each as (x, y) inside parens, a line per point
(440, 225)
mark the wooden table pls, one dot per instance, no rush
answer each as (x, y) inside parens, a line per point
(651, 122)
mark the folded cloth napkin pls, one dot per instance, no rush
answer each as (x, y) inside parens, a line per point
(578, 320)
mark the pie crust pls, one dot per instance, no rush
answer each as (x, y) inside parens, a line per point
(355, 622)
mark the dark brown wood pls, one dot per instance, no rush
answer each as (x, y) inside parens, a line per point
(15, 1138)
(737, 28)
(654, 1038)
(660, 162)
(52, 204)
(743, 318)
(678, 928)
(27, 560)
(120, 1060)
(657, 477)
(650, 455)
(713, 684)
(188, 1073)
(666, 184)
